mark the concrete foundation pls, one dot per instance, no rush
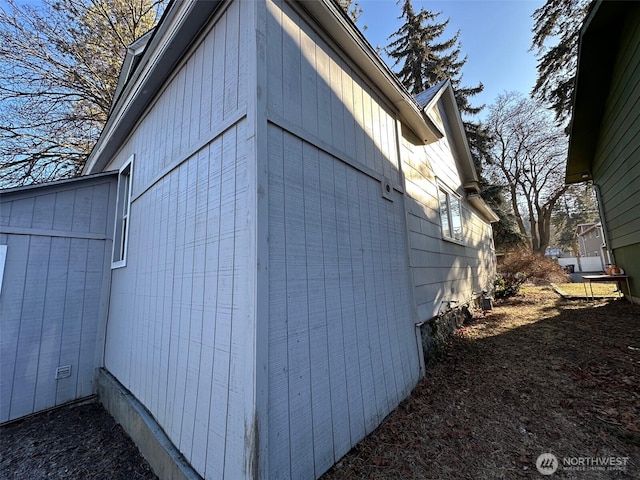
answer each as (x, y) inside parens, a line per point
(154, 445)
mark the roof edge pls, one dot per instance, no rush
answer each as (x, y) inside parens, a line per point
(461, 144)
(593, 79)
(174, 35)
(57, 183)
(483, 208)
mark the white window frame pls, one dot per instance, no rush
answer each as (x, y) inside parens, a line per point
(122, 225)
(446, 215)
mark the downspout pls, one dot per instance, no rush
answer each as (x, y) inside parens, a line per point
(603, 220)
(414, 312)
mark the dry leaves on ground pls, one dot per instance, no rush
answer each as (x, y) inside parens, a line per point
(541, 374)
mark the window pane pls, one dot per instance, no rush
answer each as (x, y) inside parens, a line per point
(123, 244)
(126, 181)
(444, 214)
(122, 216)
(456, 218)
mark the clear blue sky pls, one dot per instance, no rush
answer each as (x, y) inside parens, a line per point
(495, 36)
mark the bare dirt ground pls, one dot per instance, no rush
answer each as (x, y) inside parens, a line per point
(73, 442)
(541, 374)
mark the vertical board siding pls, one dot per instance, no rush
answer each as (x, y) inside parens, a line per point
(442, 270)
(340, 324)
(342, 346)
(200, 98)
(311, 87)
(179, 310)
(50, 306)
(177, 327)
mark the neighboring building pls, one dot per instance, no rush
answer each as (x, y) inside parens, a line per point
(554, 252)
(590, 239)
(605, 130)
(287, 217)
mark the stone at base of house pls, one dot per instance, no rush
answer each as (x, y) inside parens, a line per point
(154, 445)
(436, 332)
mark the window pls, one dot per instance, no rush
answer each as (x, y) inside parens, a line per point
(123, 206)
(450, 215)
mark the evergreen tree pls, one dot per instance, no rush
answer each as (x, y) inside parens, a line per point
(59, 66)
(424, 61)
(558, 22)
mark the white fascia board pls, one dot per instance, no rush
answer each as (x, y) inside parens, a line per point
(181, 24)
(481, 206)
(460, 142)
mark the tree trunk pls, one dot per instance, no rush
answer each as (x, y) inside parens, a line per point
(516, 210)
(544, 229)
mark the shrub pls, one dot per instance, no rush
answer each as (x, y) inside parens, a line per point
(523, 265)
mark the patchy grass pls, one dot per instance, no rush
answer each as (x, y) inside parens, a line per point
(541, 374)
(576, 290)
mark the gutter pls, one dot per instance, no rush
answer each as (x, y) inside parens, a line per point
(479, 204)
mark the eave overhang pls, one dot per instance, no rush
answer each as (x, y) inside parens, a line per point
(481, 206)
(444, 92)
(176, 32)
(599, 37)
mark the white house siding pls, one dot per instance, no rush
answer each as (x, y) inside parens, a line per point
(342, 344)
(181, 323)
(442, 270)
(315, 93)
(53, 301)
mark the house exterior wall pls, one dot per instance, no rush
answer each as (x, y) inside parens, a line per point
(181, 324)
(53, 303)
(616, 168)
(590, 242)
(342, 349)
(316, 94)
(442, 270)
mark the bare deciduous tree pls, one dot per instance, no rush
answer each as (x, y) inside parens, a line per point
(59, 66)
(528, 159)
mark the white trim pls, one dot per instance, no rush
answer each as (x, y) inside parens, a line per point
(3, 258)
(450, 194)
(121, 227)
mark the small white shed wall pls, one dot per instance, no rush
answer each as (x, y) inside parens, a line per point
(53, 304)
(182, 320)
